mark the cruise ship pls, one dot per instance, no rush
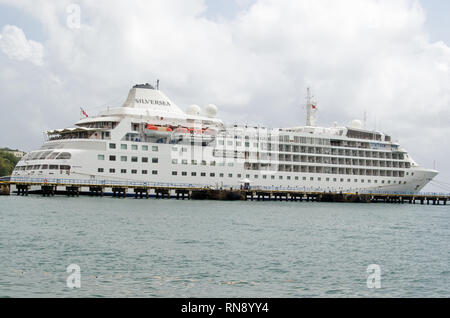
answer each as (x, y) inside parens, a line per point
(153, 141)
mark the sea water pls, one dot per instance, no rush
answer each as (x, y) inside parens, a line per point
(180, 248)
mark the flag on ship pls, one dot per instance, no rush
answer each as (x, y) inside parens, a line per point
(84, 113)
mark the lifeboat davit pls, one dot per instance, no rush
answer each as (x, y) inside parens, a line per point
(157, 130)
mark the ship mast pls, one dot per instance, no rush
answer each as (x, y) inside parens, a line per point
(311, 109)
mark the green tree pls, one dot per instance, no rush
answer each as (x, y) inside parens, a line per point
(7, 163)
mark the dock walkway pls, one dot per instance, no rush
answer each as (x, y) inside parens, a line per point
(122, 189)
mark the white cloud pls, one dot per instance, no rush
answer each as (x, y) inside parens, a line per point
(357, 55)
(16, 46)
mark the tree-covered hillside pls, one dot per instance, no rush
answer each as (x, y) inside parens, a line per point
(7, 163)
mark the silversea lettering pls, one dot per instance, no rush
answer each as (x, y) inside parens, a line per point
(152, 102)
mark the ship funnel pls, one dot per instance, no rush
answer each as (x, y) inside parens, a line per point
(147, 97)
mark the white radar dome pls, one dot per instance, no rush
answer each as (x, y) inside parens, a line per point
(193, 110)
(211, 111)
(356, 123)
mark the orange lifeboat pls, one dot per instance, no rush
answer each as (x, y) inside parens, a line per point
(157, 130)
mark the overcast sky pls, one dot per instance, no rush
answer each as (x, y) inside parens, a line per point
(252, 58)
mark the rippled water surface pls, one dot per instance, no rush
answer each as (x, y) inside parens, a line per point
(170, 248)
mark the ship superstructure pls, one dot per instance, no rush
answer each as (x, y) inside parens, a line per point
(151, 139)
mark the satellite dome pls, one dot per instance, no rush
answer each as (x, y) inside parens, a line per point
(193, 110)
(211, 111)
(356, 123)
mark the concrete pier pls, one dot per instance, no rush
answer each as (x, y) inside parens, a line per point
(191, 193)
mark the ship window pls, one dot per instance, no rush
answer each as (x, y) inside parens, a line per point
(101, 157)
(53, 155)
(194, 174)
(184, 162)
(296, 178)
(45, 154)
(212, 174)
(112, 146)
(144, 171)
(362, 180)
(112, 170)
(304, 178)
(44, 167)
(123, 158)
(134, 147)
(36, 167)
(64, 155)
(64, 167)
(112, 158)
(134, 159)
(264, 176)
(230, 164)
(229, 143)
(155, 172)
(230, 175)
(280, 177)
(203, 162)
(256, 177)
(174, 173)
(144, 148)
(319, 179)
(221, 175)
(272, 177)
(54, 167)
(174, 161)
(134, 171)
(154, 160)
(100, 170)
(123, 146)
(30, 168)
(203, 174)
(184, 173)
(356, 180)
(123, 171)
(194, 162)
(155, 148)
(213, 163)
(311, 179)
(144, 159)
